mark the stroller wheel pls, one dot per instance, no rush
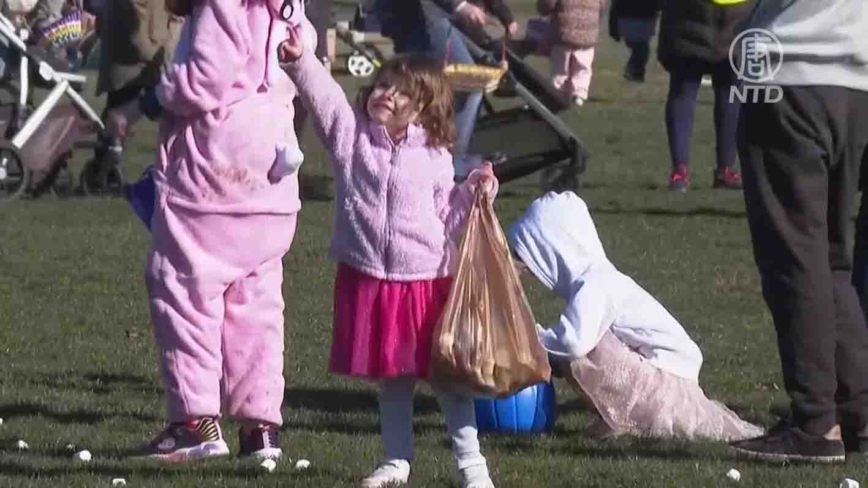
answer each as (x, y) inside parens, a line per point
(14, 175)
(97, 181)
(359, 65)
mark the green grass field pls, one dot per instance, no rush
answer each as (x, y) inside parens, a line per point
(78, 364)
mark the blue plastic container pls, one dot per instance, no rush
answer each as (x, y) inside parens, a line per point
(530, 411)
(142, 195)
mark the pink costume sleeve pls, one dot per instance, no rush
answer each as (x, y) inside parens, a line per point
(215, 46)
(332, 115)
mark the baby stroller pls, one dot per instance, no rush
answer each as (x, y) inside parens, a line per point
(530, 135)
(38, 139)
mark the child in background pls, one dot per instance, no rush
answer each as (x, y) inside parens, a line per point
(576, 27)
(137, 38)
(635, 21)
(621, 347)
(225, 216)
(398, 218)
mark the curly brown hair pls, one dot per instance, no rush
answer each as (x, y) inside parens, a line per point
(422, 79)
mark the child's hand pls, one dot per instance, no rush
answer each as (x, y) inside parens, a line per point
(290, 50)
(484, 176)
(512, 30)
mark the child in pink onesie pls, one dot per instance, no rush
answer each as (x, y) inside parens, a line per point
(398, 218)
(224, 217)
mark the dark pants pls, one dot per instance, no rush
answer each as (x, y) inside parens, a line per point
(640, 53)
(684, 83)
(801, 159)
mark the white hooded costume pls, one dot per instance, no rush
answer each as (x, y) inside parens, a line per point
(626, 351)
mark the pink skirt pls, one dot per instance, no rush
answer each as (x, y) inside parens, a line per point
(635, 397)
(384, 329)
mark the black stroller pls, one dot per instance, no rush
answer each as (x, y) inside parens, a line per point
(530, 135)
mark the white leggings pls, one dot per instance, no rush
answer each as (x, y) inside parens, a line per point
(396, 422)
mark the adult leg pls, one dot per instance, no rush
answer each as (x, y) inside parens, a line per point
(684, 82)
(445, 43)
(725, 115)
(799, 187)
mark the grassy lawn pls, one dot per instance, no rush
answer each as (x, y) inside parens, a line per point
(78, 364)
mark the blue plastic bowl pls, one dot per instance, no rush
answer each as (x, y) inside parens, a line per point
(532, 410)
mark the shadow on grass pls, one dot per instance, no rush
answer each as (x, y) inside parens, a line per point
(335, 400)
(668, 212)
(77, 416)
(132, 470)
(98, 383)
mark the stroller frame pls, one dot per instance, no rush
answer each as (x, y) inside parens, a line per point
(62, 83)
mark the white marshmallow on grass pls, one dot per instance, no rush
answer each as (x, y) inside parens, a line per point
(83, 456)
(1, 421)
(302, 464)
(733, 474)
(268, 465)
(21, 445)
(119, 482)
(848, 483)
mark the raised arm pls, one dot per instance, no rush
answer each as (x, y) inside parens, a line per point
(212, 51)
(333, 116)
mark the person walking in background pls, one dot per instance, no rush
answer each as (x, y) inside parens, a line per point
(635, 21)
(136, 42)
(576, 26)
(695, 37)
(801, 157)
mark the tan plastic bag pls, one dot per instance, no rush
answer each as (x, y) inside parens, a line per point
(485, 340)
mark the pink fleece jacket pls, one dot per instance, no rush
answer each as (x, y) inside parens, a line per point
(229, 110)
(398, 213)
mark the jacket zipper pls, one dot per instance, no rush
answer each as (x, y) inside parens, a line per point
(387, 231)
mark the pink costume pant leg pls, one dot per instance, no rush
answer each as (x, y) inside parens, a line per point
(253, 345)
(214, 282)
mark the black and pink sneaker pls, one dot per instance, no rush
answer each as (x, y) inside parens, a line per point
(182, 442)
(261, 443)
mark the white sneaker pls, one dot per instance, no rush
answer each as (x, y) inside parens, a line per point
(394, 472)
(478, 483)
(476, 477)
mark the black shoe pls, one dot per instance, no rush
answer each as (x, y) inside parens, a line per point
(634, 75)
(788, 443)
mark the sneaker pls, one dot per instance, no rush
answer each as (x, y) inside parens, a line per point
(727, 178)
(476, 477)
(679, 178)
(577, 101)
(484, 483)
(788, 443)
(394, 472)
(634, 75)
(188, 441)
(261, 443)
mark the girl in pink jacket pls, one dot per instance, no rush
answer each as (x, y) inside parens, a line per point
(225, 215)
(398, 218)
